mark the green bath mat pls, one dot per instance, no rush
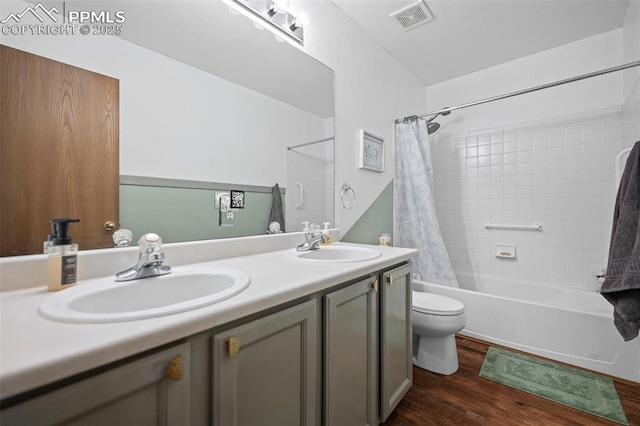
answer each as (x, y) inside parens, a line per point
(576, 388)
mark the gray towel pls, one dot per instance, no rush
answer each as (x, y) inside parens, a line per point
(277, 214)
(622, 285)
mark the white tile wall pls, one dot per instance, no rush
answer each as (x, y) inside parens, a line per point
(558, 172)
(631, 117)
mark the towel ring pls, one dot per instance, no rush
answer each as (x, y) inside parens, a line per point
(345, 189)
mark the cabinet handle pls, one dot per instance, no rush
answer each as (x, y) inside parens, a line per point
(234, 347)
(389, 279)
(374, 286)
(174, 369)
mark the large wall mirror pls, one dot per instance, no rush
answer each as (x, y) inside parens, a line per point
(208, 102)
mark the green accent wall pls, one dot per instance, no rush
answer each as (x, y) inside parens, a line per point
(377, 219)
(185, 214)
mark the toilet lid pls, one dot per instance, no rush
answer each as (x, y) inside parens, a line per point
(436, 304)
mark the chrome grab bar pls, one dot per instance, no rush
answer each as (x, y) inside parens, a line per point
(534, 227)
(299, 205)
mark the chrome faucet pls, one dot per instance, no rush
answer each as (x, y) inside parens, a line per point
(150, 260)
(314, 237)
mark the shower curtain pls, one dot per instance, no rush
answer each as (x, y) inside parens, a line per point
(415, 208)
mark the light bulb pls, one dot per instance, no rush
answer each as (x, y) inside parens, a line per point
(278, 6)
(303, 19)
(283, 5)
(298, 21)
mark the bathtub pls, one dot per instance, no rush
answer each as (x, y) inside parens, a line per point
(567, 325)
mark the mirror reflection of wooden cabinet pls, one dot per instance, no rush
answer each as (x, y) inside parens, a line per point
(59, 137)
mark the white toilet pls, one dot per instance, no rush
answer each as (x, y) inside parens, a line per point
(436, 319)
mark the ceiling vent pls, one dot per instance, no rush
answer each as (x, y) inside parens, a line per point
(413, 15)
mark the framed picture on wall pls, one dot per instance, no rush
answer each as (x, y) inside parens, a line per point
(371, 152)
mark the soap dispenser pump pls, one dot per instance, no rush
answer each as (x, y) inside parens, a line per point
(62, 255)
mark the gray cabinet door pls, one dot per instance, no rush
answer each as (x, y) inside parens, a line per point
(265, 372)
(351, 355)
(140, 393)
(396, 337)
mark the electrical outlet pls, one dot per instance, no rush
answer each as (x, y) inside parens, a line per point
(229, 218)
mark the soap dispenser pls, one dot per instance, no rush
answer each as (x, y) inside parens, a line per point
(327, 233)
(62, 255)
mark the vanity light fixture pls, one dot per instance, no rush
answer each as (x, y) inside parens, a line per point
(276, 14)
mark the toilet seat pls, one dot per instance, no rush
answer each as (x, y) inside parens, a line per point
(436, 304)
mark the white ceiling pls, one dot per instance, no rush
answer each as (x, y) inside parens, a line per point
(467, 36)
(206, 35)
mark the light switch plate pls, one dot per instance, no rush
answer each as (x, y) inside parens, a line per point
(217, 195)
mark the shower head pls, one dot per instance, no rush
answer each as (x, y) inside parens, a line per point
(432, 127)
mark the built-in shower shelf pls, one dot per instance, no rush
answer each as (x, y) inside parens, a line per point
(534, 227)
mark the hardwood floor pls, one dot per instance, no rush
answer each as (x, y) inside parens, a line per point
(465, 398)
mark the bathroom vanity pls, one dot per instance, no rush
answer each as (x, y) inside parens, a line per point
(305, 343)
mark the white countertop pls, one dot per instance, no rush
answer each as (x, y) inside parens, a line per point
(35, 351)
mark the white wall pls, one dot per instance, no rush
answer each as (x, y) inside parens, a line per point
(557, 172)
(371, 90)
(545, 157)
(631, 53)
(179, 122)
(587, 55)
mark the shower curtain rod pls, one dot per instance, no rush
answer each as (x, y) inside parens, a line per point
(310, 143)
(532, 89)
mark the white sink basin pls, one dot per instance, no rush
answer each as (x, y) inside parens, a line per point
(335, 253)
(105, 300)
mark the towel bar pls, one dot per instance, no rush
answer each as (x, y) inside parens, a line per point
(534, 227)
